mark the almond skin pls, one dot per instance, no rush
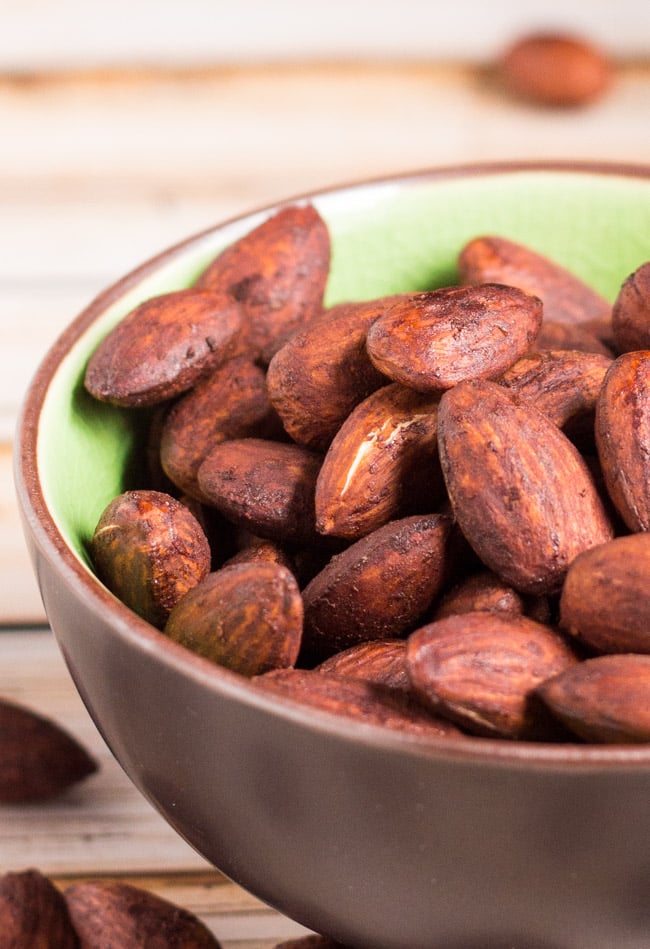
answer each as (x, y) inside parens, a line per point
(623, 436)
(33, 913)
(574, 336)
(480, 670)
(379, 586)
(230, 403)
(163, 346)
(321, 373)
(381, 660)
(364, 702)
(108, 914)
(383, 459)
(38, 759)
(604, 600)
(149, 550)
(246, 617)
(630, 322)
(430, 341)
(603, 699)
(265, 486)
(277, 273)
(482, 591)
(565, 296)
(521, 492)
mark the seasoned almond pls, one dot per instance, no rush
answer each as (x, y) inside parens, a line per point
(623, 437)
(480, 670)
(430, 341)
(246, 617)
(563, 384)
(522, 494)
(630, 319)
(108, 914)
(605, 600)
(381, 660)
(277, 272)
(230, 403)
(33, 913)
(263, 485)
(481, 591)
(163, 346)
(365, 702)
(603, 699)
(323, 371)
(379, 587)
(149, 550)
(566, 297)
(382, 463)
(38, 759)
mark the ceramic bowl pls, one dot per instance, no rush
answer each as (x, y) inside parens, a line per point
(379, 839)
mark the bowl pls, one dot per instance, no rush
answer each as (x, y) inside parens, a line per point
(378, 839)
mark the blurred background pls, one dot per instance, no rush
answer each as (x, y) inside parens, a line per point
(128, 126)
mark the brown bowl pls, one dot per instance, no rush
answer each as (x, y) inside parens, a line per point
(379, 839)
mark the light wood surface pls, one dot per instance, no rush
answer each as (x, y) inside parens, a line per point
(99, 169)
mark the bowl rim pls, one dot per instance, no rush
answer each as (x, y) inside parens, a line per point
(147, 639)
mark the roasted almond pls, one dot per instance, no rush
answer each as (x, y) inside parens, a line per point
(38, 758)
(623, 437)
(480, 670)
(108, 914)
(481, 591)
(522, 494)
(603, 699)
(381, 660)
(263, 485)
(163, 346)
(378, 587)
(566, 298)
(230, 403)
(246, 617)
(149, 550)
(277, 272)
(363, 702)
(630, 323)
(321, 373)
(382, 463)
(33, 913)
(605, 600)
(576, 336)
(430, 341)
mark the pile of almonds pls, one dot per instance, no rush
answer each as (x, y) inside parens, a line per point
(428, 511)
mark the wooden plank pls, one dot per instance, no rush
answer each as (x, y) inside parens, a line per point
(21, 600)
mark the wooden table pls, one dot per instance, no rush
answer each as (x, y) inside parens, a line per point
(99, 169)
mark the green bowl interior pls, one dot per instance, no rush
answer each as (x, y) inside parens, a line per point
(386, 237)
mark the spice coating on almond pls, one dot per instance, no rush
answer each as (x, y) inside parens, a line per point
(430, 341)
(521, 492)
(149, 550)
(277, 273)
(246, 617)
(163, 347)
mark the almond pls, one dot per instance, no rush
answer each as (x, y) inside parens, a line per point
(521, 492)
(38, 759)
(149, 550)
(163, 347)
(109, 914)
(630, 323)
(603, 699)
(604, 600)
(482, 591)
(576, 336)
(430, 341)
(246, 617)
(277, 273)
(381, 660)
(480, 670)
(33, 913)
(623, 437)
(566, 298)
(323, 371)
(364, 702)
(379, 586)
(383, 461)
